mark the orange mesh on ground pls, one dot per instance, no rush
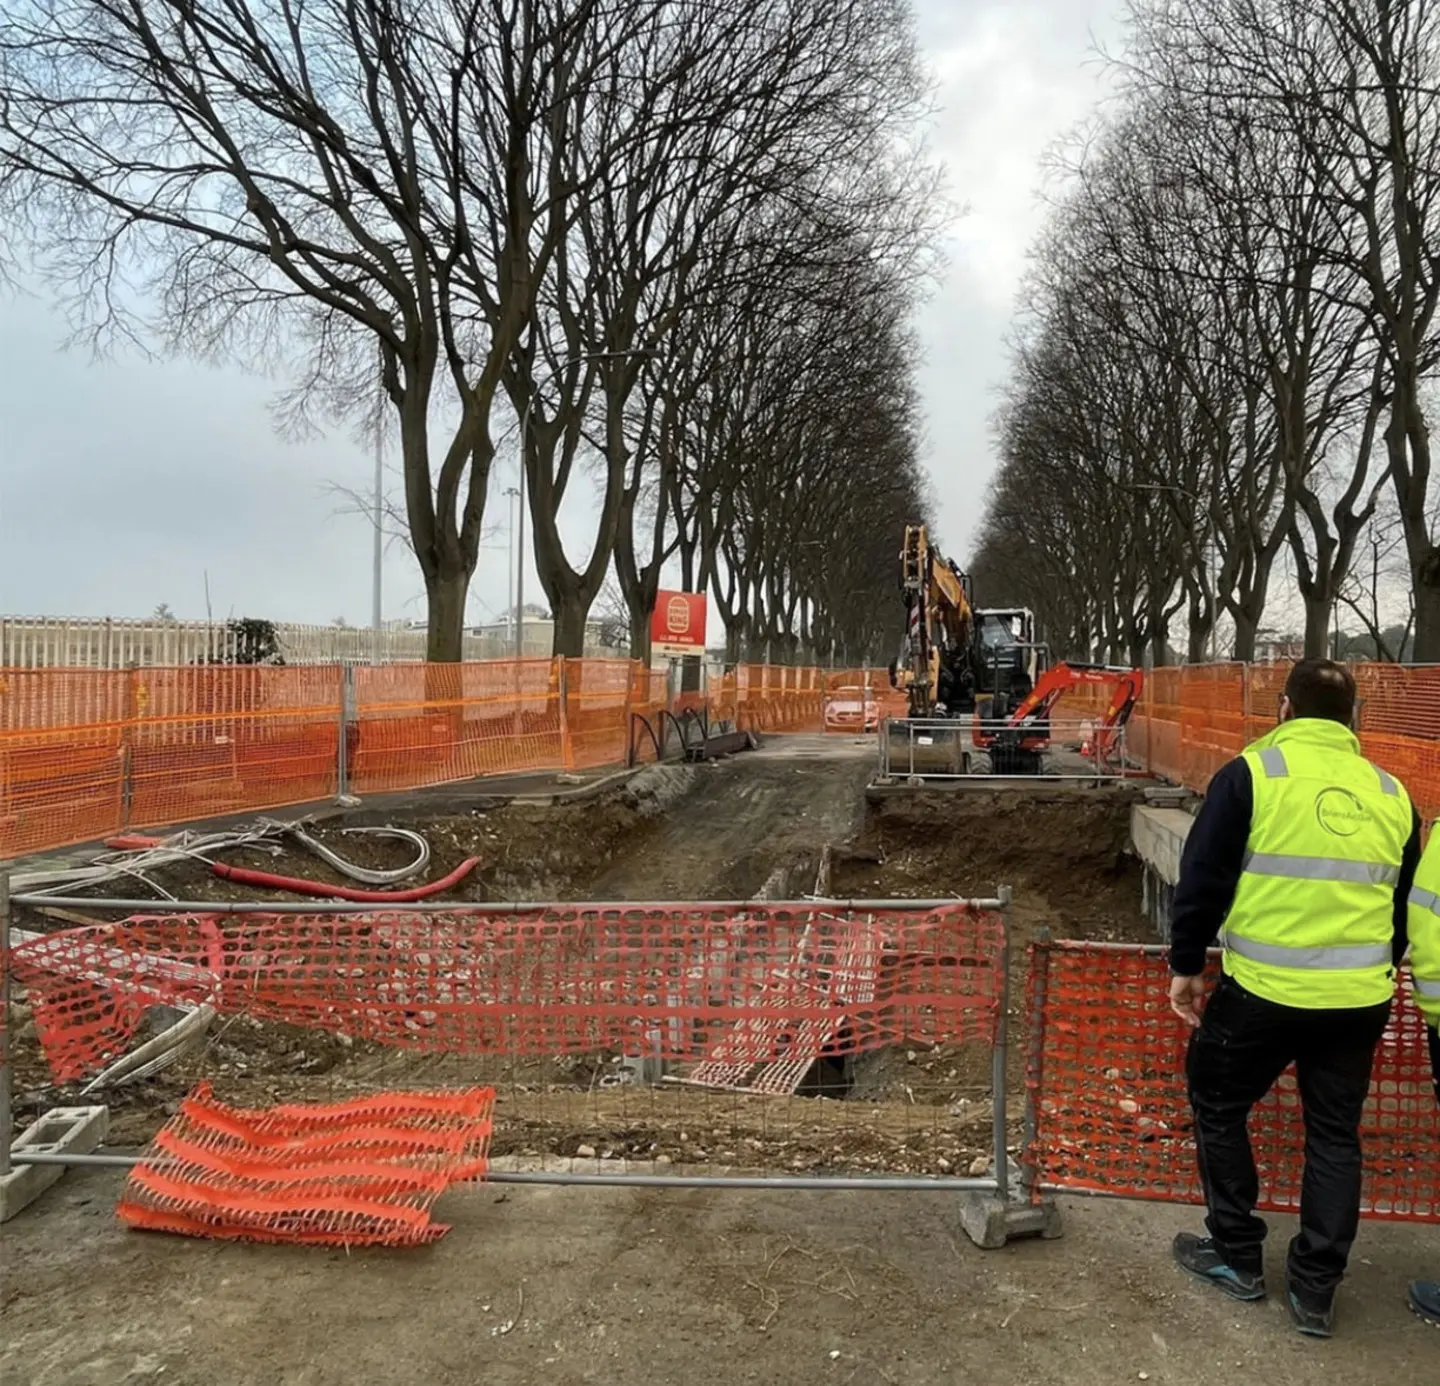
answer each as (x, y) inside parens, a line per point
(1106, 1075)
(679, 980)
(359, 1173)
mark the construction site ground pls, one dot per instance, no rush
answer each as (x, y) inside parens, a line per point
(580, 1285)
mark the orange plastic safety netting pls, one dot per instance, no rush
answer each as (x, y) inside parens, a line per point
(89, 752)
(1106, 1079)
(742, 985)
(360, 1173)
(1192, 720)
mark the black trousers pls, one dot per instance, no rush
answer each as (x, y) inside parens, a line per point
(1243, 1044)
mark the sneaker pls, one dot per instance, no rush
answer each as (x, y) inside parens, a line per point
(1313, 1319)
(1201, 1257)
(1425, 1300)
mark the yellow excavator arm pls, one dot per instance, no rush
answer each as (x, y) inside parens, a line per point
(939, 620)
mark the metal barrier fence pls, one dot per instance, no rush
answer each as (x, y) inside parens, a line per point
(1191, 720)
(1105, 1066)
(965, 748)
(693, 1044)
(85, 753)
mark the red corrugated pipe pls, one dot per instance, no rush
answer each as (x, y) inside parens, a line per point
(300, 886)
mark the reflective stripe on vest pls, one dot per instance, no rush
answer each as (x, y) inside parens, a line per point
(1321, 869)
(1336, 959)
(1425, 900)
(1273, 759)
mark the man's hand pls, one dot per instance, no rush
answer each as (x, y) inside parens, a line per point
(1186, 994)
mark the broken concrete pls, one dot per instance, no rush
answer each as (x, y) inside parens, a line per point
(64, 1130)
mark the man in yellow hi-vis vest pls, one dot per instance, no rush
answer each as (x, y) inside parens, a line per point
(1425, 969)
(1301, 861)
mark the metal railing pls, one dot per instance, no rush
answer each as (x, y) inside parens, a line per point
(917, 750)
(737, 956)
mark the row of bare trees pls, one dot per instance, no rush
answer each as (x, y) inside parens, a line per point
(1226, 344)
(668, 246)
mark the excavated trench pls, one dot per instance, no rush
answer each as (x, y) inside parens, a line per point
(755, 825)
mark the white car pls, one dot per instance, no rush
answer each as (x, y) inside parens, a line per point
(852, 709)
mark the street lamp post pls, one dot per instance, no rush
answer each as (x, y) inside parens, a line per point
(513, 492)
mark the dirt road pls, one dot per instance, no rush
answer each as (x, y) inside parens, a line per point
(745, 817)
(558, 1287)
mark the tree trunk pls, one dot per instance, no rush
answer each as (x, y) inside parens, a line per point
(445, 614)
(1201, 624)
(640, 636)
(570, 611)
(1247, 627)
(1425, 648)
(1318, 611)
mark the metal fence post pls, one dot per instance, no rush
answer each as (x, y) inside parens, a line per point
(127, 744)
(562, 686)
(348, 719)
(1034, 1062)
(998, 1076)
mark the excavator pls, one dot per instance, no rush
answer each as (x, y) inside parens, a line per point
(1016, 744)
(954, 653)
(959, 659)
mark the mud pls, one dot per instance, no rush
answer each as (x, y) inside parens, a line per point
(708, 832)
(576, 1287)
(567, 1286)
(1063, 854)
(526, 851)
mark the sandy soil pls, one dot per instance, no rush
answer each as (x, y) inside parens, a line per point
(558, 1287)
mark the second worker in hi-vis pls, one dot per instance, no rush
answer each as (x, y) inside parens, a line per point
(1301, 861)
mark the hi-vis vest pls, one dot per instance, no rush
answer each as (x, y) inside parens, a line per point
(1425, 931)
(1313, 920)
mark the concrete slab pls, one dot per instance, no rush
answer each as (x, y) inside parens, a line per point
(1159, 836)
(73, 1130)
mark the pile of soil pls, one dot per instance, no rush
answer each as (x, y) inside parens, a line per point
(1063, 853)
(527, 851)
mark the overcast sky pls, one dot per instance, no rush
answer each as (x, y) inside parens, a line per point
(125, 484)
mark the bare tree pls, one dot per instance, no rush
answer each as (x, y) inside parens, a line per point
(289, 182)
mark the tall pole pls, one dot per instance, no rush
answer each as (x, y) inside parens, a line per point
(513, 492)
(520, 540)
(378, 557)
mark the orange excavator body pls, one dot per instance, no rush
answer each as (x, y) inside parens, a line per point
(1028, 727)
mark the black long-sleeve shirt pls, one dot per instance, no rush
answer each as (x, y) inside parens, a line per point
(1212, 861)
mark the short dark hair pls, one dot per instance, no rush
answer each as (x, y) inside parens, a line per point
(1322, 688)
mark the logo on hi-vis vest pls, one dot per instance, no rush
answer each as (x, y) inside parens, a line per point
(1339, 812)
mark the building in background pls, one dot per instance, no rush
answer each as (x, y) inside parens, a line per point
(39, 642)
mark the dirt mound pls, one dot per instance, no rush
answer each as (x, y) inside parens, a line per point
(1063, 853)
(527, 851)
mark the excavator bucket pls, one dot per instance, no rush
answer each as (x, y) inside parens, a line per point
(916, 749)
